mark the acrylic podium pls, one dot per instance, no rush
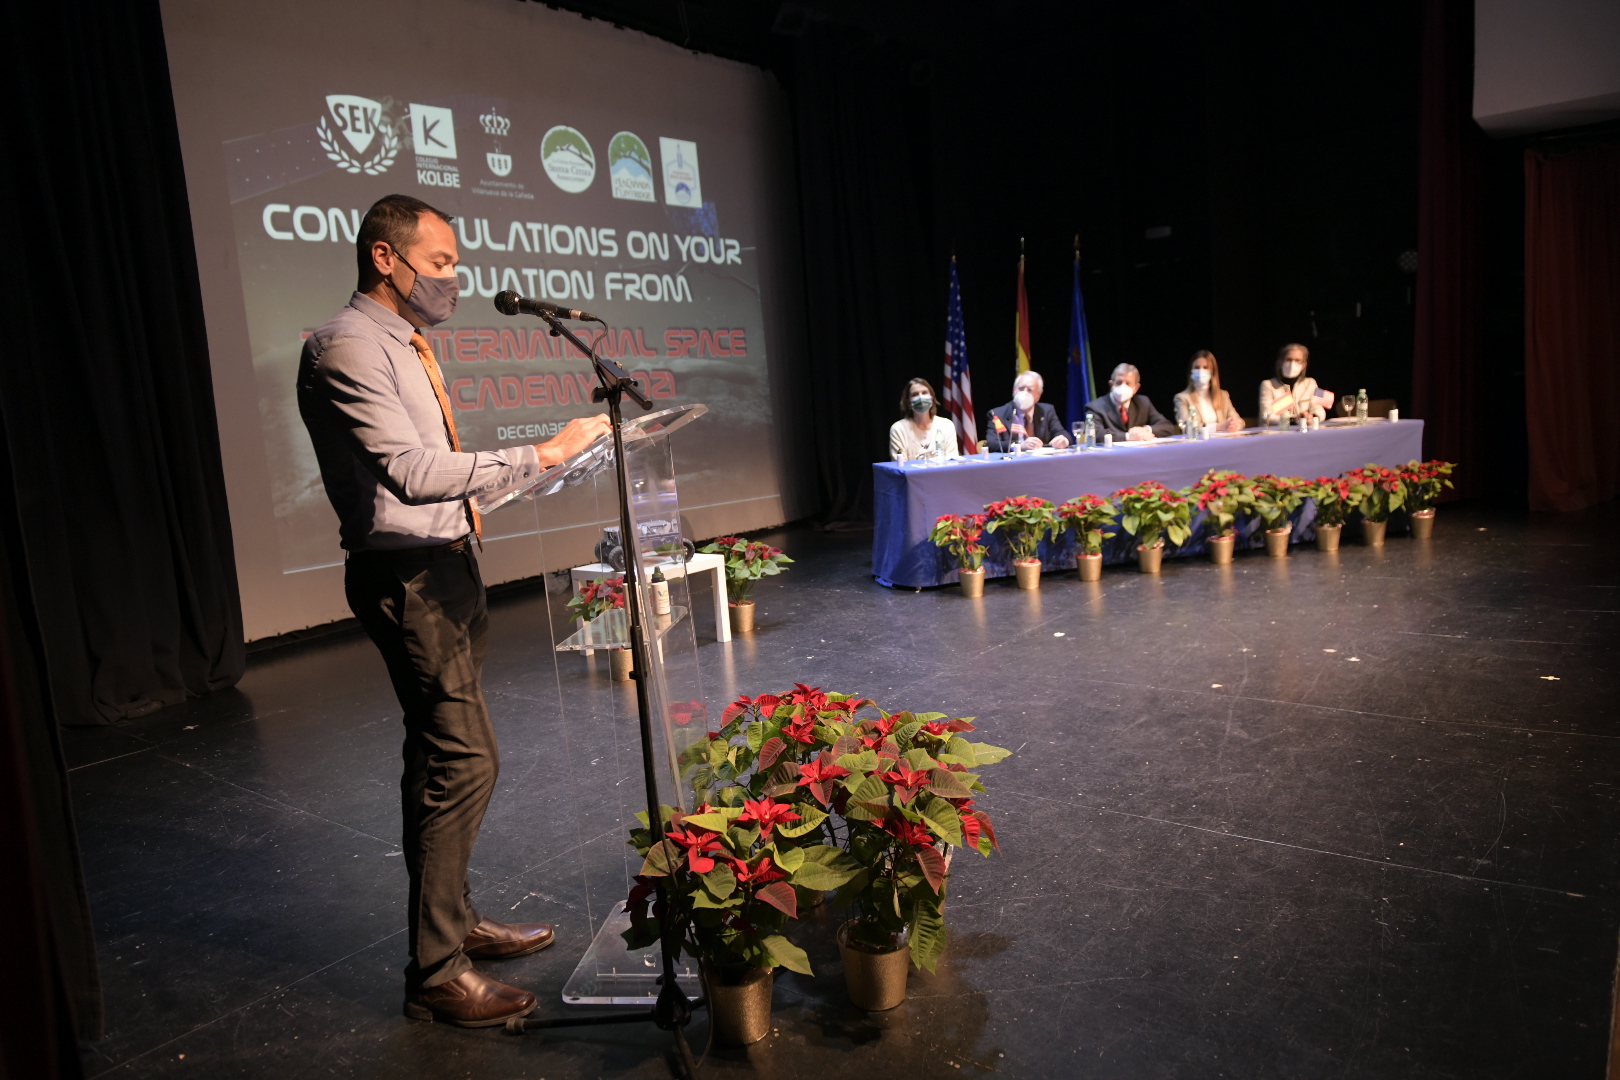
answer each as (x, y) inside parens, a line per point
(597, 719)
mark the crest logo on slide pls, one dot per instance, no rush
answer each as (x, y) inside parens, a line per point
(681, 184)
(361, 123)
(499, 126)
(630, 168)
(568, 158)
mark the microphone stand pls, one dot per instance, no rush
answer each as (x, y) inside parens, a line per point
(673, 1010)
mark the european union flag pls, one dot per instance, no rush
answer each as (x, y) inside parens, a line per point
(1080, 382)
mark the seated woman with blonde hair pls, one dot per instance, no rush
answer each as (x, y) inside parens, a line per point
(921, 432)
(1204, 400)
(1290, 394)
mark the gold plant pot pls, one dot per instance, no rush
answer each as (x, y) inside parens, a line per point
(1327, 537)
(876, 981)
(1277, 541)
(619, 661)
(972, 581)
(1029, 573)
(741, 1014)
(1090, 566)
(1423, 524)
(1372, 532)
(1220, 549)
(1149, 559)
(742, 616)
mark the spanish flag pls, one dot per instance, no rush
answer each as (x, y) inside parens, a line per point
(1021, 321)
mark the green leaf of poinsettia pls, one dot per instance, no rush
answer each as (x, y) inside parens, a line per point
(811, 817)
(788, 955)
(941, 817)
(864, 762)
(823, 873)
(789, 859)
(663, 859)
(946, 784)
(987, 754)
(927, 936)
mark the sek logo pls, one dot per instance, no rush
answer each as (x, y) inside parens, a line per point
(361, 123)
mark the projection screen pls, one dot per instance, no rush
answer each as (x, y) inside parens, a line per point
(587, 165)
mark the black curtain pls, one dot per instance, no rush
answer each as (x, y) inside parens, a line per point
(875, 296)
(108, 404)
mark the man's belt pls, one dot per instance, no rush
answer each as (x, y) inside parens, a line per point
(431, 551)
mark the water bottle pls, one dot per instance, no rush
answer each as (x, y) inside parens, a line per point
(1091, 431)
(1361, 406)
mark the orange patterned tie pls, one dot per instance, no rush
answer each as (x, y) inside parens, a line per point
(425, 351)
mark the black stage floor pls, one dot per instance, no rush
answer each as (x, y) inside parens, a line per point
(1347, 815)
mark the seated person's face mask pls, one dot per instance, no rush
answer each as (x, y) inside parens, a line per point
(1122, 392)
(1200, 376)
(1024, 400)
(1291, 369)
(921, 403)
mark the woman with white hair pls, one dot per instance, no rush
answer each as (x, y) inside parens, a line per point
(1290, 393)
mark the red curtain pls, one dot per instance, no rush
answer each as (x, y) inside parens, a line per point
(1572, 325)
(1451, 164)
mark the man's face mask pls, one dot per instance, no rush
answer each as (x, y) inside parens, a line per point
(1024, 400)
(432, 299)
(1123, 392)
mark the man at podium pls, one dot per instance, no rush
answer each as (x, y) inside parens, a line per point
(373, 399)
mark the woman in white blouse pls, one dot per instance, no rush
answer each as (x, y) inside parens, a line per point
(922, 432)
(1290, 393)
(1204, 394)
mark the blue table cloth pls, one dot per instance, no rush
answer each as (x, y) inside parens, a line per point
(909, 497)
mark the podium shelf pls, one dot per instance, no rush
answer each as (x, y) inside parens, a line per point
(611, 630)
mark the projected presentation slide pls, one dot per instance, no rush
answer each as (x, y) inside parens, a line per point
(583, 165)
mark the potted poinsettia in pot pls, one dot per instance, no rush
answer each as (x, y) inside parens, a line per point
(1333, 504)
(1376, 491)
(908, 803)
(593, 601)
(1025, 521)
(1275, 500)
(1089, 516)
(1424, 481)
(1150, 512)
(747, 561)
(960, 535)
(1222, 495)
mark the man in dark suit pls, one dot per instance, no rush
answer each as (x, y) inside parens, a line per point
(1025, 418)
(1125, 413)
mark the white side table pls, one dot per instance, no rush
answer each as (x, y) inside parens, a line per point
(713, 564)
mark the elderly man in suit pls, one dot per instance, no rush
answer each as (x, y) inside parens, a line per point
(1125, 413)
(1025, 419)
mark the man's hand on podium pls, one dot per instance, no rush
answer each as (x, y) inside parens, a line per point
(579, 433)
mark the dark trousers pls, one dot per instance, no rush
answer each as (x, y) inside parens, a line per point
(425, 612)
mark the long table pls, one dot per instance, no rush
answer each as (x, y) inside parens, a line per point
(909, 496)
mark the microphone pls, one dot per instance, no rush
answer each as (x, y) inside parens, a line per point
(510, 303)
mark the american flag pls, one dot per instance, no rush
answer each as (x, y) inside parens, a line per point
(958, 392)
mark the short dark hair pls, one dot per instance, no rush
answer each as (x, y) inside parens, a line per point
(393, 219)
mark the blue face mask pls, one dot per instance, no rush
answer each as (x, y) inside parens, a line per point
(921, 403)
(432, 299)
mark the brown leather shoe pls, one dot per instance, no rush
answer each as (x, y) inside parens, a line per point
(472, 1000)
(491, 940)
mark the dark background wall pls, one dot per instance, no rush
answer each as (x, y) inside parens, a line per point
(1277, 142)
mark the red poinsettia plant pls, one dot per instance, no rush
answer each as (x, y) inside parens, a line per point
(1025, 520)
(1151, 511)
(960, 535)
(1424, 481)
(747, 561)
(1089, 516)
(1222, 495)
(1376, 491)
(1276, 498)
(603, 594)
(901, 784)
(1332, 497)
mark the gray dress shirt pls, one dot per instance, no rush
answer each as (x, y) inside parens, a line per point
(380, 439)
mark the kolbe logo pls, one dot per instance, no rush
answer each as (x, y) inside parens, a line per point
(499, 126)
(568, 158)
(433, 130)
(630, 168)
(361, 123)
(681, 184)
